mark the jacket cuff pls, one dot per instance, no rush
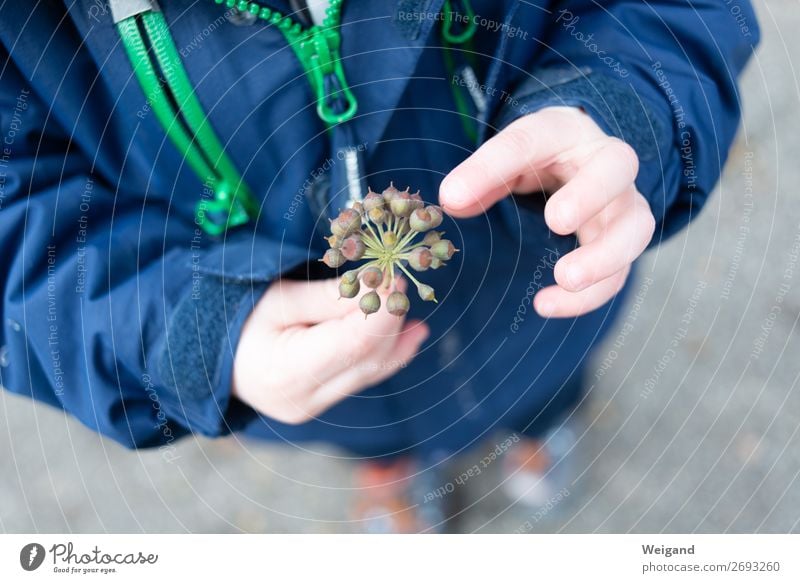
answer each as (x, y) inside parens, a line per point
(614, 105)
(196, 362)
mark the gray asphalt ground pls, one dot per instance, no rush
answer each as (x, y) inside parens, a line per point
(694, 424)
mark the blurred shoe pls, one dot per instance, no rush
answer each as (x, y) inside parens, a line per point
(539, 472)
(391, 498)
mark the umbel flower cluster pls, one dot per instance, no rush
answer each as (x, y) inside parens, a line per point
(393, 232)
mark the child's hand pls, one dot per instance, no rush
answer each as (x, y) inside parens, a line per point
(302, 351)
(562, 150)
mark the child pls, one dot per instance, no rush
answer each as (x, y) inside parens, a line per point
(168, 173)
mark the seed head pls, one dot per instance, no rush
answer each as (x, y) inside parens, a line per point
(353, 248)
(350, 276)
(333, 258)
(401, 204)
(348, 222)
(349, 289)
(420, 258)
(389, 239)
(398, 304)
(431, 237)
(443, 249)
(393, 233)
(437, 216)
(373, 200)
(426, 292)
(370, 303)
(377, 216)
(372, 277)
(390, 192)
(420, 220)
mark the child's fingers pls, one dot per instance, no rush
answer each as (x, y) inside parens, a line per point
(336, 344)
(556, 302)
(609, 173)
(289, 302)
(623, 240)
(493, 171)
(372, 370)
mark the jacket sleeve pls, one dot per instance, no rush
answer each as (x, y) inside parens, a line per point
(112, 309)
(661, 75)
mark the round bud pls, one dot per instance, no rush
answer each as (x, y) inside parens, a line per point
(338, 230)
(416, 201)
(397, 304)
(390, 192)
(333, 258)
(436, 263)
(353, 248)
(420, 258)
(372, 277)
(436, 215)
(370, 303)
(420, 220)
(377, 216)
(349, 289)
(389, 239)
(373, 200)
(426, 292)
(350, 276)
(443, 249)
(358, 207)
(334, 241)
(431, 237)
(348, 222)
(401, 204)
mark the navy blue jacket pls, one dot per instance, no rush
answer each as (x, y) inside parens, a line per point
(116, 308)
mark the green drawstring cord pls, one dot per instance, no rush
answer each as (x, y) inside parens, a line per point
(317, 49)
(465, 37)
(190, 132)
(449, 14)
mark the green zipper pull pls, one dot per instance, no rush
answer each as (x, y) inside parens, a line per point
(319, 52)
(450, 15)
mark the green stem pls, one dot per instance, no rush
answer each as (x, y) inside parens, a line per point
(408, 273)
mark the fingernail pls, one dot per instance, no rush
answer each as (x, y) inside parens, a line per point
(454, 193)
